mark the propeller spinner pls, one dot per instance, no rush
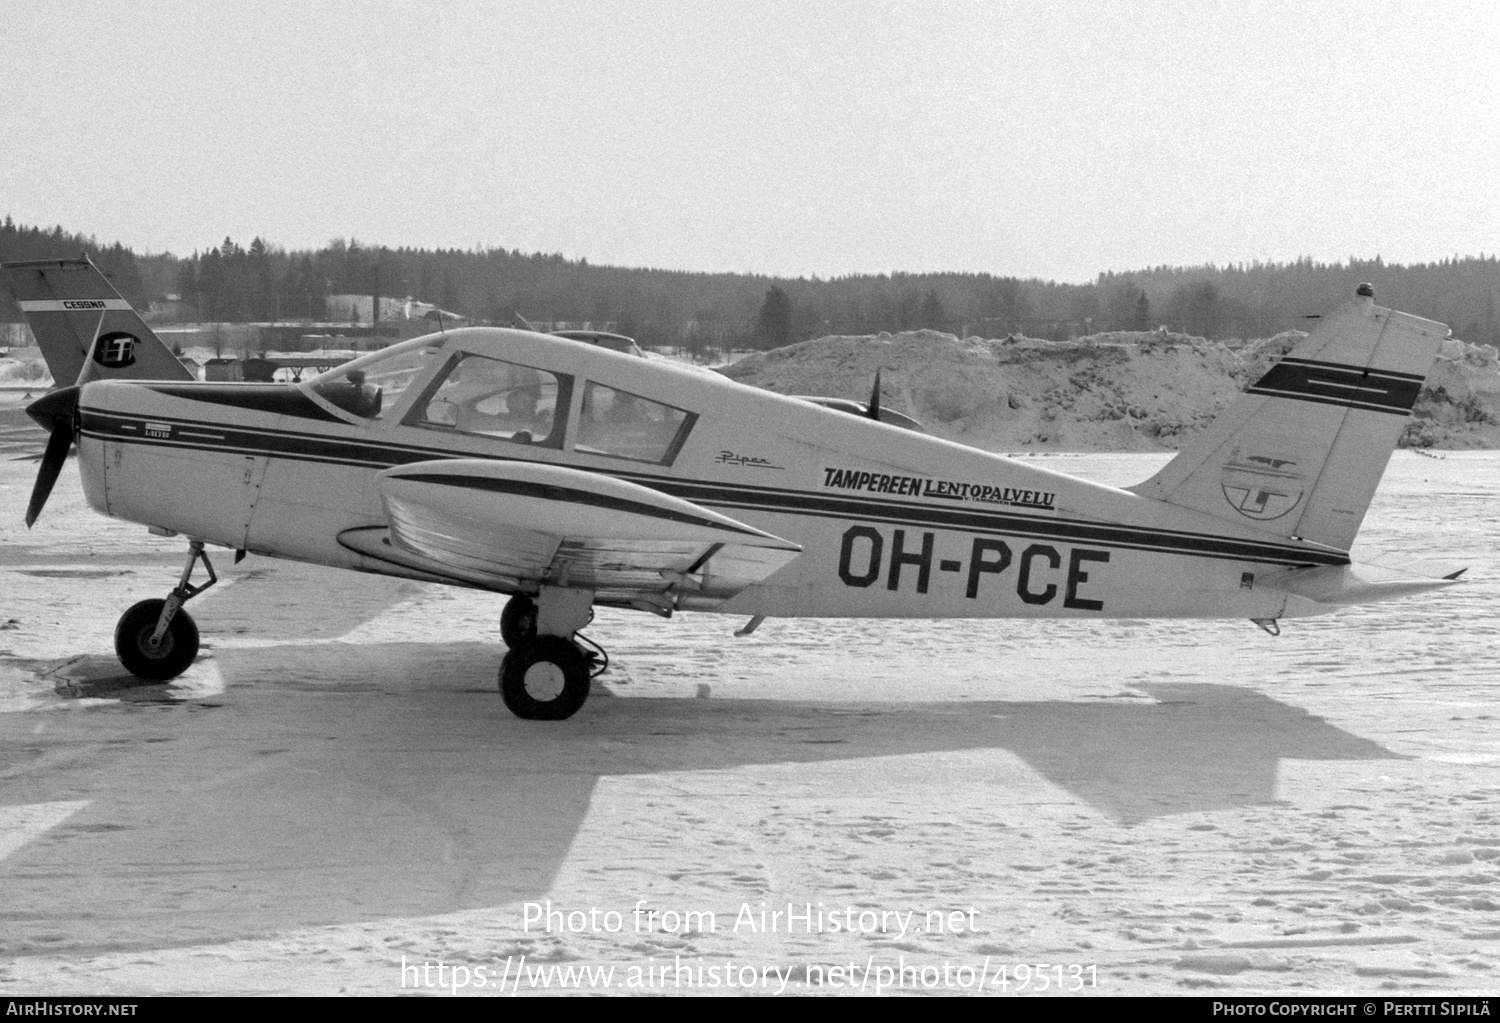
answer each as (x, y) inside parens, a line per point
(56, 412)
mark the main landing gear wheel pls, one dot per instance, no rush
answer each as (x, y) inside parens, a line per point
(165, 659)
(518, 621)
(546, 679)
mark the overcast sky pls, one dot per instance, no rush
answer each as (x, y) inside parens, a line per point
(1037, 139)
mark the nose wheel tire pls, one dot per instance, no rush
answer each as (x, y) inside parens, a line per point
(546, 679)
(518, 621)
(161, 661)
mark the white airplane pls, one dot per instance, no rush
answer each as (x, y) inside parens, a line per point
(569, 476)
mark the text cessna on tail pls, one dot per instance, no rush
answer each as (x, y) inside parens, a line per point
(567, 476)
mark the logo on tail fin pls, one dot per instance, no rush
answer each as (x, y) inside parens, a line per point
(115, 350)
(1262, 486)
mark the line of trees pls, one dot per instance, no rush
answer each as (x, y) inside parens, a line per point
(18, 242)
(259, 282)
(1258, 299)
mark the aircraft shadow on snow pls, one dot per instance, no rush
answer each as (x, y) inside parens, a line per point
(335, 783)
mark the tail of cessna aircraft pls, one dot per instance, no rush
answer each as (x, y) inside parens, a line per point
(1301, 452)
(85, 330)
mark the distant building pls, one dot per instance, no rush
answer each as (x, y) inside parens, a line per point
(305, 337)
(171, 309)
(223, 369)
(358, 309)
(553, 326)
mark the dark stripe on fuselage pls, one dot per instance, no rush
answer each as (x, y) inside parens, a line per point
(259, 441)
(567, 495)
(732, 497)
(277, 399)
(1007, 524)
(1331, 383)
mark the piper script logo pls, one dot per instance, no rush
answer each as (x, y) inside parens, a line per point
(115, 350)
(1262, 487)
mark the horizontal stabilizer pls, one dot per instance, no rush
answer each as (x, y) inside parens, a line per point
(1356, 583)
(84, 329)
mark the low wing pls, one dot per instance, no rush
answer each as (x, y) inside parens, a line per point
(515, 525)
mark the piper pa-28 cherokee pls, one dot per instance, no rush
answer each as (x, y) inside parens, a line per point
(566, 476)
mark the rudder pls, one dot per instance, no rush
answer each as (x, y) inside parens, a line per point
(1301, 452)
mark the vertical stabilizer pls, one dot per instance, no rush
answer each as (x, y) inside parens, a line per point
(85, 330)
(1301, 452)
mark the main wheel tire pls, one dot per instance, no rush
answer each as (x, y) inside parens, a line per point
(518, 621)
(169, 658)
(546, 679)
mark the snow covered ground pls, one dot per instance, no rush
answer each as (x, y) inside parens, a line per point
(335, 788)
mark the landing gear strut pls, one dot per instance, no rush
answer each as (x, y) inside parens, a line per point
(157, 639)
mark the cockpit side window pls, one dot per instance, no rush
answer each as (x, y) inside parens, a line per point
(493, 398)
(371, 386)
(624, 425)
(350, 392)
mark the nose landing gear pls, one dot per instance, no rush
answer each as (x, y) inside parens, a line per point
(157, 639)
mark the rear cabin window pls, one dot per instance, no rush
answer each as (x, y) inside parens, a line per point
(492, 398)
(623, 425)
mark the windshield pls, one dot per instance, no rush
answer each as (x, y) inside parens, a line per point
(372, 385)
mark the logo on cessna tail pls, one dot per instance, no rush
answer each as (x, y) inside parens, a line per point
(115, 350)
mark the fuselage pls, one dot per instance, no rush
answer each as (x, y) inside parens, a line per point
(892, 523)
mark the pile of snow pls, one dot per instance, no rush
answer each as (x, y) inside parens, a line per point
(1116, 391)
(25, 366)
(1458, 406)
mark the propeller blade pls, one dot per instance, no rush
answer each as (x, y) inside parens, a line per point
(52, 463)
(874, 412)
(56, 411)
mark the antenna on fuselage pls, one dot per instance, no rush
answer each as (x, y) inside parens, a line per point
(874, 412)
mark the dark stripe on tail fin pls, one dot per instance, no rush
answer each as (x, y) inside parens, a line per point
(1330, 383)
